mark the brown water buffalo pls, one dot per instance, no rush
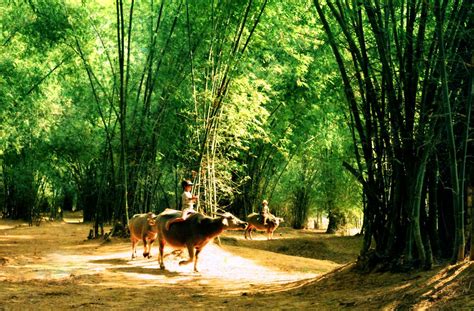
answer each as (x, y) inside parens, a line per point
(194, 233)
(256, 221)
(143, 227)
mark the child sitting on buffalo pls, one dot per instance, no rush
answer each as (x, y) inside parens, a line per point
(265, 212)
(187, 201)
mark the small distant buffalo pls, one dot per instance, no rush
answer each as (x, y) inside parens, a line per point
(256, 221)
(194, 233)
(143, 227)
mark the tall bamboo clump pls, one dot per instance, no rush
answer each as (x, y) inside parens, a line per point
(406, 73)
(229, 28)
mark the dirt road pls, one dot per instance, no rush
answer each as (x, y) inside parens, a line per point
(53, 266)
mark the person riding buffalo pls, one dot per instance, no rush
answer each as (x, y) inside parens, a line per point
(187, 200)
(265, 212)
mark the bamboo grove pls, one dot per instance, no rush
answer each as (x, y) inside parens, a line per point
(107, 108)
(322, 107)
(407, 73)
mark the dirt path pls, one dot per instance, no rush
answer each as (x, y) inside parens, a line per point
(54, 267)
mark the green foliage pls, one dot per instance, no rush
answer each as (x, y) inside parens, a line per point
(394, 65)
(304, 119)
(243, 95)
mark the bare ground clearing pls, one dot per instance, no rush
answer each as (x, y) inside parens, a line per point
(53, 267)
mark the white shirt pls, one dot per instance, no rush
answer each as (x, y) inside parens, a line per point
(187, 200)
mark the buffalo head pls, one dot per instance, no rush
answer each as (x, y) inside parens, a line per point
(231, 222)
(151, 219)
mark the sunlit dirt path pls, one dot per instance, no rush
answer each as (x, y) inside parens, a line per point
(219, 267)
(54, 266)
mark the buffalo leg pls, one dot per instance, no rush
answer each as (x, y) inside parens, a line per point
(191, 256)
(269, 234)
(196, 259)
(134, 248)
(248, 232)
(148, 246)
(145, 248)
(160, 257)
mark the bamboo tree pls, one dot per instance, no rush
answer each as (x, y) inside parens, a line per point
(458, 252)
(123, 64)
(469, 101)
(223, 58)
(392, 125)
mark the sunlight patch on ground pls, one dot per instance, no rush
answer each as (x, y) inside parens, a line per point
(445, 276)
(5, 237)
(213, 263)
(216, 262)
(12, 224)
(4, 227)
(216, 266)
(348, 232)
(73, 220)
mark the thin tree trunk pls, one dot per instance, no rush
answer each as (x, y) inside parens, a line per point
(123, 103)
(416, 205)
(458, 249)
(468, 124)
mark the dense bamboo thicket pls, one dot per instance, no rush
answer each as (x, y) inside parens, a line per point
(358, 109)
(407, 74)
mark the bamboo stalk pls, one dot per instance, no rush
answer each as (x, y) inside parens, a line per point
(458, 249)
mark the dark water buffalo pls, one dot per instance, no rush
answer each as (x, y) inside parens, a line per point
(193, 233)
(143, 227)
(256, 221)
